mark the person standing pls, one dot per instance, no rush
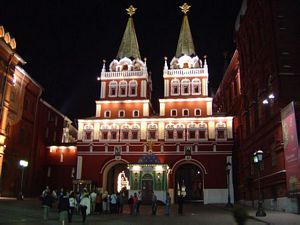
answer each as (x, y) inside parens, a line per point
(168, 204)
(47, 201)
(85, 205)
(154, 204)
(99, 203)
(135, 204)
(113, 203)
(63, 207)
(73, 205)
(139, 196)
(93, 196)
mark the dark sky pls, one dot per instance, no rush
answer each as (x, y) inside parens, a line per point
(64, 42)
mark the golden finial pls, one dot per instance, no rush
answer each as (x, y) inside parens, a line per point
(131, 10)
(185, 8)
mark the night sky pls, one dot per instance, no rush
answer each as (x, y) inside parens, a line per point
(64, 42)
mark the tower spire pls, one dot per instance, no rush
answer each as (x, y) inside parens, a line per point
(129, 45)
(185, 43)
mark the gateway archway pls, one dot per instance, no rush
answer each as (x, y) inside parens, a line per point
(189, 178)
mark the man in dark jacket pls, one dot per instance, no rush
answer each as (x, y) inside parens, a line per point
(63, 207)
(47, 201)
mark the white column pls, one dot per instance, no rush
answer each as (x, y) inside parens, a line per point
(166, 88)
(79, 167)
(103, 89)
(162, 107)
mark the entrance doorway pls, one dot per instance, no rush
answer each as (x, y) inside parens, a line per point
(147, 188)
(190, 178)
(116, 179)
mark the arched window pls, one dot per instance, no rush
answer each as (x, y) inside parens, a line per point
(175, 87)
(173, 112)
(125, 67)
(88, 133)
(192, 131)
(185, 65)
(185, 87)
(185, 112)
(107, 114)
(180, 134)
(125, 132)
(135, 132)
(220, 131)
(197, 112)
(104, 130)
(133, 88)
(202, 131)
(113, 85)
(135, 113)
(170, 132)
(123, 88)
(196, 87)
(122, 113)
(152, 132)
(114, 132)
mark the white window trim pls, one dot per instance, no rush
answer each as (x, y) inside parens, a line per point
(171, 112)
(121, 135)
(132, 83)
(109, 135)
(138, 135)
(183, 134)
(225, 133)
(188, 112)
(106, 112)
(188, 133)
(196, 110)
(172, 85)
(136, 110)
(110, 85)
(84, 136)
(119, 113)
(198, 83)
(123, 84)
(187, 83)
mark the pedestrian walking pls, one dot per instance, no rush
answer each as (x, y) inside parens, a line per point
(93, 196)
(130, 204)
(73, 206)
(168, 204)
(63, 207)
(113, 203)
(154, 204)
(139, 196)
(85, 205)
(135, 204)
(47, 201)
(99, 203)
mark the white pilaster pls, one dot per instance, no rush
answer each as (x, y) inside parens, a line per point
(103, 89)
(79, 167)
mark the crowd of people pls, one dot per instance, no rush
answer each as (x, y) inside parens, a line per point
(85, 203)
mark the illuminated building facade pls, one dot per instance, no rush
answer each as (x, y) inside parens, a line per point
(187, 142)
(257, 89)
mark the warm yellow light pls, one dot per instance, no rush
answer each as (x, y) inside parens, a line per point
(158, 168)
(136, 168)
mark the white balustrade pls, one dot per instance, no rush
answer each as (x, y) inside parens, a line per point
(122, 74)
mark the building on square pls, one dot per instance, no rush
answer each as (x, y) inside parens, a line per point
(259, 89)
(183, 149)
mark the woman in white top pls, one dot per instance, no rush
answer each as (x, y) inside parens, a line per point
(85, 206)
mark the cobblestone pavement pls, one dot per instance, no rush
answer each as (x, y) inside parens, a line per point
(29, 212)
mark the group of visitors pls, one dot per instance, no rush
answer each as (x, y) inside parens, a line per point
(85, 203)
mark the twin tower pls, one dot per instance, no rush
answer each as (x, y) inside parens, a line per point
(127, 81)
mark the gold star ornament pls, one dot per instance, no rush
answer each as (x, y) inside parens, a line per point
(185, 8)
(131, 10)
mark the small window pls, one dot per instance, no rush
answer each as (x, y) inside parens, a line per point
(121, 113)
(180, 134)
(173, 112)
(135, 113)
(132, 88)
(134, 135)
(197, 112)
(104, 135)
(88, 134)
(192, 134)
(122, 88)
(170, 134)
(125, 135)
(221, 134)
(185, 112)
(107, 114)
(152, 135)
(175, 87)
(185, 87)
(113, 135)
(202, 134)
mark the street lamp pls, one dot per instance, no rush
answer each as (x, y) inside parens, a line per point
(23, 164)
(228, 168)
(257, 159)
